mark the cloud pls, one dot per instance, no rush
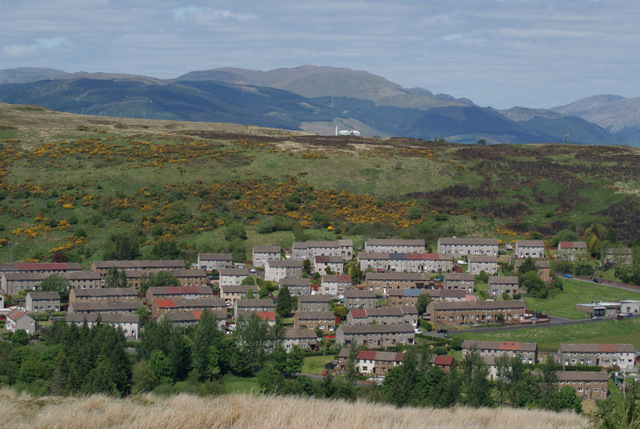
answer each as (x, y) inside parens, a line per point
(20, 50)
(51, 42)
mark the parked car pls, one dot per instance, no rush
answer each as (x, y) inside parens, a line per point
(596, 318)
(569, 276)
(628, 315)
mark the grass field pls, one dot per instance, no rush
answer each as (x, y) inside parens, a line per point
(315, 364)
(550, 337)
(253, 411)
(563, 303)
(240, 385)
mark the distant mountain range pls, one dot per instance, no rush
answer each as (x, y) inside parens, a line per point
(319, 99)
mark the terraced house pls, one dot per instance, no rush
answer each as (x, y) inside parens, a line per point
(103, 267)
(214, 261)
(316, 302)
(461, 313)
(459, 281)
(375, 336)
(115, 294)
(185, 277)
(296, 286)
(572, 250)
(323, 320)
(499, 285)
(274, 271)
(262, 254)
(528, 352)
(310, 249)
(41, 302)
(405, 262)
(394, 245)
(456, 247)
(603, 355)
(384, 283)
(479, 263)
(129, 323)
(529, 249)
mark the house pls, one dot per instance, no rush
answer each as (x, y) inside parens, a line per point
(303, 338)
(41, 267)
(233, 276)
(473, 312)
(444, 362)
(214, 261)
(135, 279)
(395, 245)
(544, 268)
(317, 302)
(375, 336)
(359, 298)
(191, 318)
(232, 293)
(184, 292)
(253, 305)
(445, 295)
(618, 256)
(478, 263)
(621, 356)
(173, 305)
(335, 285)
(499, 285)
(384, 283)
(41, 302)
(459, 281)
(114, 294)
(274, 271)
(129, 323)
(12, 283)
(328, 264)
(262, 254)
(456, 247)
(309, 249)
(377, 363)
(592, 385)
(323, 320)
(103, 267)
(406, 297)
(104, 307)
(404, 262)
(382, 316)
(529, 249)
(528, 352)
(629, 306)
(296, 286)
(572, 251)
(83, 279)
(18, 319)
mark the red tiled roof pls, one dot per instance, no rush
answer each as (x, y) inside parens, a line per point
(359, 313)
(343, 278)
(366, 355)
(607, 348)
(511, 346)
(165, 303)
(444, 360)
(15, 314)
(197, 314)
(268, 315)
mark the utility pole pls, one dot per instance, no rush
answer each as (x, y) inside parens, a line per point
(566, 136)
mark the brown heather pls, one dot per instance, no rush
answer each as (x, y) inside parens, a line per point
(250, 411)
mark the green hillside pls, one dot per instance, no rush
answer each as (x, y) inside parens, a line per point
(70, 182)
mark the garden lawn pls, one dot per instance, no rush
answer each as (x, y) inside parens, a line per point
(563, 303)
(550, 337)
(315, 364)
(241, 385)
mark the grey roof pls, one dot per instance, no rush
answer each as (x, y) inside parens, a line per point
(321, 244)
(114, 291)
(237, 288)
(458, 276)
(482, 258)
(107, 318)
(303, 334)
(530, 243)
(255, 303)
(397, 276)
(596, 348)
(314, 298)
(384, 312)
(293, 281)
(44, 296)
(582, 376)
(234, 272)
(215, 257)
(285, 263)
(146, 264)
(24, 276)
(495, 280)
(105, 306)
(315, 315)
(395, 242)
(267, 249)
(179, 290)
(188, 316)
(359, 294)
(480, 305)
(469, 241)
(515, 346)
(193, 302)
(377, 329)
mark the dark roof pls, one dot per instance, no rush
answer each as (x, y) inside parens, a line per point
(215, 257)
(481, 305)
(513, 346)
(377, 329)
(315, 315)
(596, 348)
(468, 241)
(44, 295)
(107, 317)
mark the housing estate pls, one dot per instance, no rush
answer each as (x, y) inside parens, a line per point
(234, 292)
(318, 302)
(529, 249)
(18, 319)
(274, 271)
(104, 307)
(375, 336)
(214, 261)
(528, 352)
(296, 286)
(456, 247)
(618, 256)
(173, 305)
(184, 292)
(328, 265)
(129, 323)
(335, 285)
(572, 250)
(384, 283)
(309, 249)
(587, 384)
(460, 313)
(303, 338)
(135, 279)
(544, 268)
(323, 320)
(241, 306)
(113, 294)
(405, 262)
(233, 276)
(479, 263)
(459, 281)
(499, 285)
(103, 267)
(603, 355)
(40, 267)
(191, 318)
(262, 254)
(382, 316)
(394, 245)
(41, 302)
(359, 298)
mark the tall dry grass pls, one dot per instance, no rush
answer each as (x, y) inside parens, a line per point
(246, 411)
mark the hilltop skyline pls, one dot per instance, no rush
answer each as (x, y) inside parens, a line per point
(533, 53)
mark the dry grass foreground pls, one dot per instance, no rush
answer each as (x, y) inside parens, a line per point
(246, 411)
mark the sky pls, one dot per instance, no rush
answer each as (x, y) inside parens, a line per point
(498, 53)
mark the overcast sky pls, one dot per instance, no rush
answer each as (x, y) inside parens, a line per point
(499, 53)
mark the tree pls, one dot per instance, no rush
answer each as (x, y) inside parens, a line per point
(295, 360)
(534, 285)
(423, 301)
(205, 335)
(159, 279)
(350, 363)
(145, 315)
(568, 400)
(475, 373)
(258, 339)
(527, 265)
(20, 337)
(306, 268)
(56, 283)
(284, 305)
(122, 247)
(115, 278)
(248, 281)
(482, 142)
(340, 311)
(249, 294)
